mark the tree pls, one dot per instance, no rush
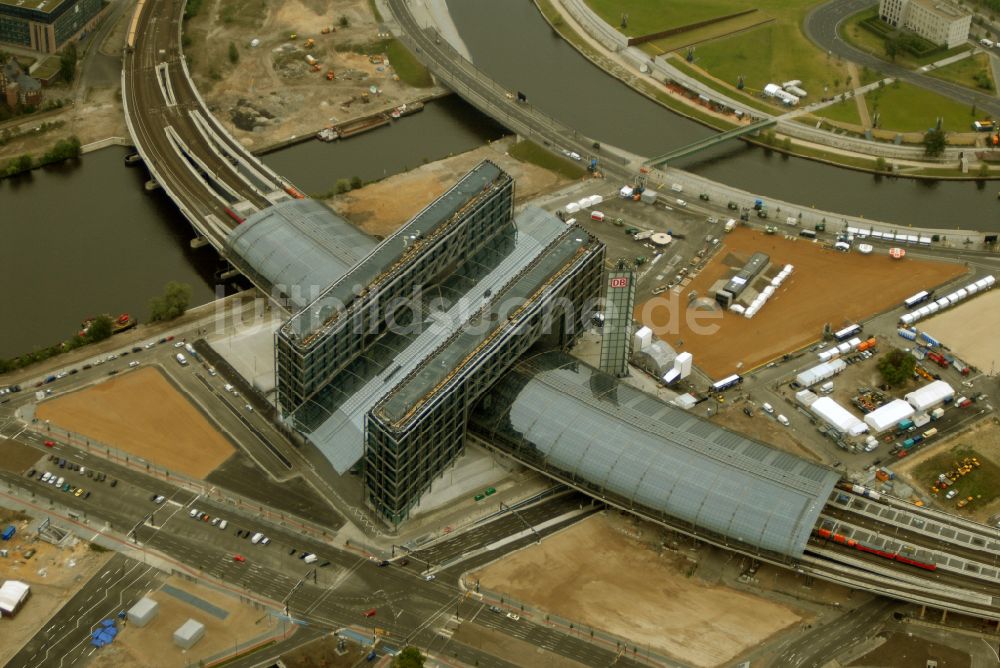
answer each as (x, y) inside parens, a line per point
(934, 142)
(173, 303)
(234, 53)
(20, 164)
(410, 657)
(100, 329)
(891, 48)
(67, 62)
(897, 366)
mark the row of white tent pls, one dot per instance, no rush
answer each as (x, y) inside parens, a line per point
(585, 203)
(841, 349)
(765, 294)
(947, 301)
(889, 236)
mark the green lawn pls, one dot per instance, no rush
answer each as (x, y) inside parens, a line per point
(854, 34)
(964, 72)
(649, 16)
(845, 112)
(734, 93)
(907, 108)
(410, 70)
(982, 483)
(771, 53)
(529, 151)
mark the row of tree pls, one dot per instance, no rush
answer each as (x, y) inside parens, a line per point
(64, 149)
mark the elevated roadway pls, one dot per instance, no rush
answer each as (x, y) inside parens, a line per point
(213, 180)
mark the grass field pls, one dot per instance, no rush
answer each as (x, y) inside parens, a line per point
(774, 52)
(983, 483)
(410, 70)
(530, 152)
(649, 16)
(735, 94)
(698, 36)
(844, 112)
(907, 108)
(964, 72)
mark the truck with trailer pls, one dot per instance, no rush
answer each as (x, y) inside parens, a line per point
(938, 359)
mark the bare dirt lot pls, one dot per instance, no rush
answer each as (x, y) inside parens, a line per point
(152, 645)
(824, 288)
(761, 427)
(17, 457)
(382, 207)
(970, 330)
(54, 575)
(271, 93)
(141, 413)
(984, 439)
(634, 593)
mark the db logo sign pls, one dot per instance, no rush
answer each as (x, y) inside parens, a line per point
(620, 282)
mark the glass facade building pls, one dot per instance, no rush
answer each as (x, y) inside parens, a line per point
(349, 316)
(45, 25)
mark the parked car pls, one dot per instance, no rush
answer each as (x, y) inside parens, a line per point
(239, 558)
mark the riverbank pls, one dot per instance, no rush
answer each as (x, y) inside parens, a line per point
(575, 34)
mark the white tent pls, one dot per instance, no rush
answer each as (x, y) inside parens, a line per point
(930, 395)
(837, 416)
(813, 375)
(888, 415)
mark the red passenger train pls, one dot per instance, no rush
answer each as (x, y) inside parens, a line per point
(858, 545)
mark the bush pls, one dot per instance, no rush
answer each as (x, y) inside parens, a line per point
(234, 53)
(356, 182)
(64, 149)
(343, 21)
(343, 186)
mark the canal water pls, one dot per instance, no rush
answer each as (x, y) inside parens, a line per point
(84, 239)
(512, 43)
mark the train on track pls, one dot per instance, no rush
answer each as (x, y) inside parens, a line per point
(858, 545)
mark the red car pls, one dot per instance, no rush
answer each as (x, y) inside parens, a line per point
(170, 338)
(49, 444)
(369, 613)
(239, 557)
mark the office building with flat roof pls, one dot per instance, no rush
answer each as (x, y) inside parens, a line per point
(45, 25)
(938, 21)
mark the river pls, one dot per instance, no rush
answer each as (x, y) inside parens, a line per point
(512, 43)
(73, 254)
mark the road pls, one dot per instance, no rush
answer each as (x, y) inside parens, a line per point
(66, 637)
(821, 24)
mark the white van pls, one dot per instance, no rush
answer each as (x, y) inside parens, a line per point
(223, 524)
(256, 538)
(309, 558)
(783, 420)
(181, 359)
(768, 408)
(188, 347)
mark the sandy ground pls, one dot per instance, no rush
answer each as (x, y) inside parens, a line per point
(141, 413)
(152, 645)
(824, 288)
(54, 574)
(984, 437)
(17, 457)
(970, 330)
(632, 592)
(382, 207)
(274, 80)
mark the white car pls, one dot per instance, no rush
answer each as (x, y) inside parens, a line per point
(228, 387)
(265, 540)
(46, 476)
(256, 538)
(223, 524)
(952, 493)
(783, 420)
(134, 364)
(179, 344)
(60, 481)
(767, 408)
(511, 615)
(249, 408)
(149, 345)
(211, 371)
(194, 512)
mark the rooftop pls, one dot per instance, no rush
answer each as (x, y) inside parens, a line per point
(45, 6)
(334, 419)
(319, 315)
(574, 418)
(559, 252)
(300, 245)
